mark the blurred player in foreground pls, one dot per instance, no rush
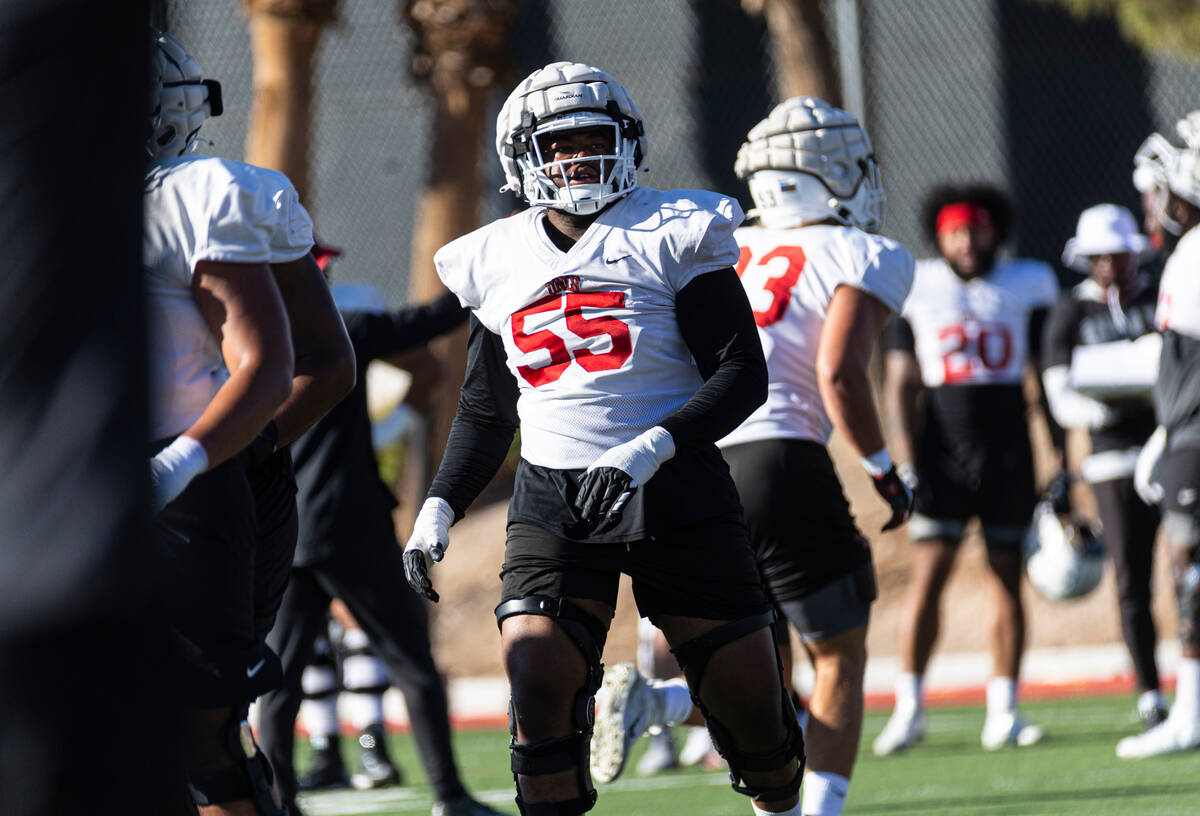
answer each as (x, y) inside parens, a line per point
(609, 324)
(218, 237)
(954, 367)
(821, 287)
(1087, 372)
(1168, 469)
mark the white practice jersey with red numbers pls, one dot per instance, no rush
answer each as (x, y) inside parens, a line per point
(790, 276)
(1179, 292)
(977, 331)
(204, 208)
(591, 334)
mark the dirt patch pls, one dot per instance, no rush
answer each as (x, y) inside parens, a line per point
(467, 642)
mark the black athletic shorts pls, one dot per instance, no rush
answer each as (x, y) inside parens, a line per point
(989, 476)
(800, 523)
(209, 536)
(273, 483)
(703, 571)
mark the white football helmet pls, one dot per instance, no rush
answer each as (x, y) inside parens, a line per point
(180, 98)
(1064, 557)
(809, 161)
(1161, 165)
(569, 96)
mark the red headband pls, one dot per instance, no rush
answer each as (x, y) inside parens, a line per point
(962, 214)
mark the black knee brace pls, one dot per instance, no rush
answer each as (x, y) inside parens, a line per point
(693, 657)
(248, 777)
(560, 753)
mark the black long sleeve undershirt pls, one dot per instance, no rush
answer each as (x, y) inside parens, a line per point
(717, 325)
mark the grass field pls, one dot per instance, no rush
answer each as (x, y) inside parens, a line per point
(1075, 771)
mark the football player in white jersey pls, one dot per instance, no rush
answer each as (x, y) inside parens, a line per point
(967, 331)
(821, 287)
(609, 325)
(1168, 469)
(226, 251)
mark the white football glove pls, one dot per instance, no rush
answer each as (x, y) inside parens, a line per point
(427, 545)
(1146, 473)
(173, 468)
(609, 482)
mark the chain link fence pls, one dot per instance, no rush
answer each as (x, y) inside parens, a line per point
(1008, 91)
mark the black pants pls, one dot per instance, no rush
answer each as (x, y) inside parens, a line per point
(1130, 527)
(371, 584)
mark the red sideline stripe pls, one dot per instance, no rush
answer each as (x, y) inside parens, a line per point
(974, 695)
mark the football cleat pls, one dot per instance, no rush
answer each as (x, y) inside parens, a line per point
(698, 750)
(326, 771)
(659, 756)
(904, 729)
(625, 709)
(377, 768)
(1172, 735)
(1000, 730)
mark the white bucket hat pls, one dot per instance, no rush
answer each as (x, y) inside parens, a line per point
(1102, 230)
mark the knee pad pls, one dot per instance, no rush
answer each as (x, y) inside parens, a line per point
(560, 753)
(693, 657)
(248, 776)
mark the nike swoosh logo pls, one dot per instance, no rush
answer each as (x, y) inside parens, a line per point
(262, 661)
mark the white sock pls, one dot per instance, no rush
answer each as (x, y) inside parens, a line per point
(320, 717)
(1187, 689)
(1001, 695)
(674, 698)
(824, 794)
(909, 692)
(792, 811)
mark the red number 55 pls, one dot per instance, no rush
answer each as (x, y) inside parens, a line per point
(572, 304)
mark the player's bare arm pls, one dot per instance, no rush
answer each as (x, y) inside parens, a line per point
(901, 394)
(324, 359)
(246, 314)
(852, 324)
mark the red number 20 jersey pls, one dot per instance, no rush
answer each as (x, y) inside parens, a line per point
(790, 276)
(976, 332)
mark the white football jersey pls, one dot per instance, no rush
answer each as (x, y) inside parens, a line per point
(790, 276)
(203, 208)
(977, 331)
(591, 334)
(1179, 291)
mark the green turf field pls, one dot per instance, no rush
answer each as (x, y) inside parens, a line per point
(1075, 771)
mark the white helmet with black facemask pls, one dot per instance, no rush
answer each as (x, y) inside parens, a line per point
(568, 96)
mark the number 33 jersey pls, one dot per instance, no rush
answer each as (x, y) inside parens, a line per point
(590, 334)
(976, 332)
(790, 276)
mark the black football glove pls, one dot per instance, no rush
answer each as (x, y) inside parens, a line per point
(898, 493)
(603, 493)
(609, 483)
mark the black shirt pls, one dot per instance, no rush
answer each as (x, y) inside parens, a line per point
(342, 501)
